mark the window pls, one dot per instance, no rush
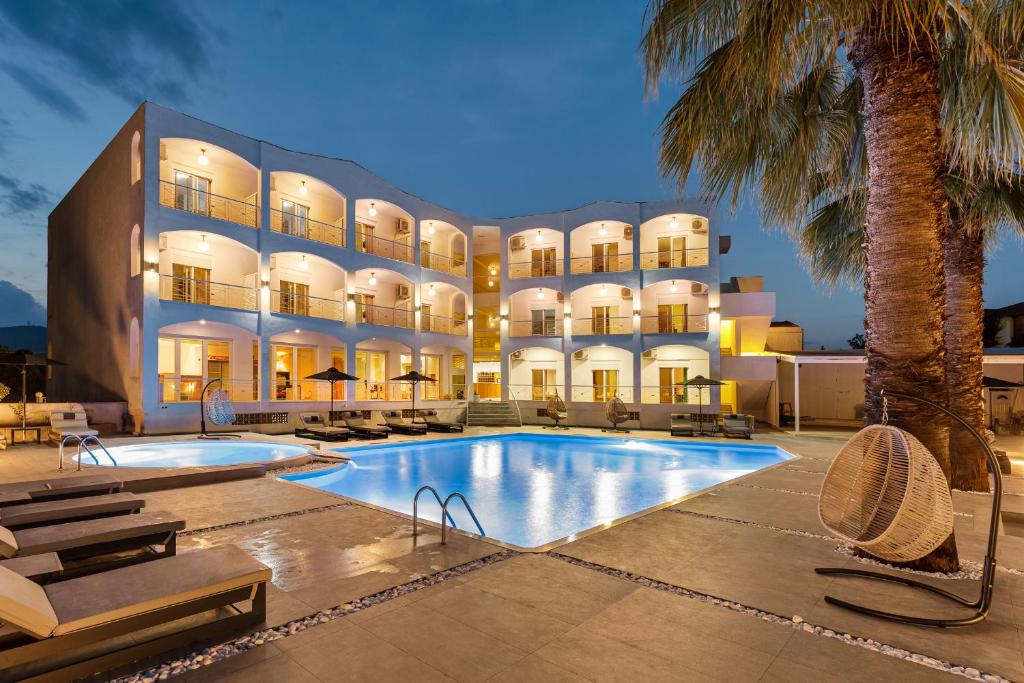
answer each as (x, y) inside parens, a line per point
(294, 298)
(425, 321)
(606, 384)
(430, 365)
(669, 380)
(603, 318)
(294, 218)
(425, 254)
(191, 193)
(542, 381)
(136, 169)
(543, 262)
(191, 284)
(671, 318)
(543, 322)
(458, 378)
(371, 366)
(604, 257)
(338, 362)
(672, 252)
(135, 251)
(184, 366)
(404, 388)
(364, 308)
(364, 237)
(291, 365)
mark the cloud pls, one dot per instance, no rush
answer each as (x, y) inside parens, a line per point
(18, 198)
(19, 307)
(131, 49)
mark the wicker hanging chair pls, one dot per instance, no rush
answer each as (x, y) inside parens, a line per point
(886, 494)
(556, 410)
(219, 408)
(616, 412)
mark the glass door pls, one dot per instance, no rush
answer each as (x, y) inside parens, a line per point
(606, 384)
(430, 365)
(294, 218)
(191, 284)
(604, 257)
(294, 298)
(542, 383)
(371, 366)
(191, 193)
(672, 251)
(601, 317)
(543, 322)
(543, 262)
(672, 318)
(669, 390)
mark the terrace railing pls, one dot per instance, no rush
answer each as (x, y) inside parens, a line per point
(622, 324)
(288, 223)
(308, 306)
(184, 198)
(524, 269)
(303, 390)
(673, 324)
(601, 264)
(531, 328)
(669, 394)
(442, 324)
(186, 389)
(674, 258)
(380, 246)
(193, 291)
(455, 265)
(599, 394)
(384, 315)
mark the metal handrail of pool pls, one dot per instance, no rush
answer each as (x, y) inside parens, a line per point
(444, 514)
(83, 442)
(515, 402)
(415, 504)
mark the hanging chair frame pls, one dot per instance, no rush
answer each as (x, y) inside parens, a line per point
(203, 434)
(983, 603)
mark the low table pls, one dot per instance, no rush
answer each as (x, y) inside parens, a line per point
(25, 431)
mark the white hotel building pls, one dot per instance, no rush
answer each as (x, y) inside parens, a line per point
(187, 253)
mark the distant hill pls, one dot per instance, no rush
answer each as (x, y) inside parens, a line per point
(32, 337)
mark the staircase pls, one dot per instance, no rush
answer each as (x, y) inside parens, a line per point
(492, 414)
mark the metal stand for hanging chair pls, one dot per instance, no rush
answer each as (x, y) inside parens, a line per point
(203, 434)
(983, 603)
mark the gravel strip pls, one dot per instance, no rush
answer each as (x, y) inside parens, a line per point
(283, 515)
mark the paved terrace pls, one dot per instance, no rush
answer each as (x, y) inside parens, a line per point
(719, 587)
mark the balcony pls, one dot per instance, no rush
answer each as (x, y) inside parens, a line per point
(307, 208)
(674, 241)
(384, 229)
(442, 247)
(197, 201)
(443, 264)
(674, 258)
(535, 328)
(673, 323)
(384, 315)
(601, 264)
(288, 223)
(601, 247)
(208, 293)
(620, 324)
(536, 253)
(368, 243)
(307, 306)
(443, 325)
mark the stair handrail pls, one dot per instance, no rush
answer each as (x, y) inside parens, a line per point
(515, 402)
(444, 515)
(415, 512)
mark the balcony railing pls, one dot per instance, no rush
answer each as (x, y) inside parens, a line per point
(601, 264)
(442, 324)
(622, 324)
(187, 389)
(384, 315)
(304, 390)
(668, 394)
(674, 258)
(600, 394)
(383, 391)
(208, 204)
(444, 264)
(522, 269)
(536, 392)
(380, 246)
(209, 293)
(673, 324)
(533, 328)
(288, 223)
(308, 306)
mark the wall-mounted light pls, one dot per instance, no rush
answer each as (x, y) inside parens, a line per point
(504, 316)
(152, 267)
(373, 278)
(568, 314)
(539, 237)
(298, 331)
(490, 283)
(302, 189)
(430, 228)
(265, 285)
(673, 223)
(202, 158)
(351, 295)
(203, 244)
(304, 264)
(493, 271)
(373, 209)
(202, 322)
(417, 308)
(603, 231)
(714, 309)
(673, 288)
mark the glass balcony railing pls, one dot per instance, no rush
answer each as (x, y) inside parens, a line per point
(288, 223)
(601, 264)
(308, 306)
(305, 390)
(380, 246)
(622, 324)
(535, 328)
(384, 315)
(668, 394)
(674, 258)
(535, 392)
(600, 394)
(185, 389)
(442, 324)
(193, 291)
(184, 198)
(455, 265)
(523, 269)
(673, 324)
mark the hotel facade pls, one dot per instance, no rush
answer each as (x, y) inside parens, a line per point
(187, 253)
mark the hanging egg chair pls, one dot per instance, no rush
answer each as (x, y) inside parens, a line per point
(219, 408)
(556, 410)
(615, 411)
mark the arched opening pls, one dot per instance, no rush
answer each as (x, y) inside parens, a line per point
(536, 252)
(600, 373)
(663, 369)
(442, 247)
(204, 268)
(442, 309)
(536, 313)
(190, 354)
(135, 251)
(384, 229)
(306, 285)
(674, 307)
(601, 247)
(536, 373)
(602, 308)
(136, 169)
(306, 207)
(296, 355)
(208, 180)
(674, 241)
(446, 365)
(382, 297)
(377, 361)
(134, 352)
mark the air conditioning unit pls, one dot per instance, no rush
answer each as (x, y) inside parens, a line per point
(579, 355)
(402, 227)
(516, 355)
(627, 232)
(163, 242)
(518, 243)
(698, 289)
(699, 225)
(273, 261)
(627, 293)
(402, 293)
(560, 297)
(650, 353)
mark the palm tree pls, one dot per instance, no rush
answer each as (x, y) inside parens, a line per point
(756, 112)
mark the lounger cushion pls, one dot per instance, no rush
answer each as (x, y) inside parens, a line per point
(58, 537)
(120, 593)
(74, 484)
(25, 606)
(69, 509)
(8, 543)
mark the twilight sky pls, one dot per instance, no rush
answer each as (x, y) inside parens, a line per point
(492, 108)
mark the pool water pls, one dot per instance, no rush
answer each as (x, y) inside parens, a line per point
(529, 490)
(195, 453)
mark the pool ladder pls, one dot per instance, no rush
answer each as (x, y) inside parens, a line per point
(83, 442)
(446, 516)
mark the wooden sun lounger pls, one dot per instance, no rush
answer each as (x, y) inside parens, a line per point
(354, 420)
(59, 487)
(89, 541)
(314, 427)
(430, 419)
(92, 624)
(68, 510)
(682, 424)
(396, 422)
(738, 425)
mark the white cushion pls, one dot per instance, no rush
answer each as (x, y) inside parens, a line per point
(8, 544)
(24, 605)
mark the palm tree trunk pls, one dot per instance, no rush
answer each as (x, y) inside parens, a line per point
(965, 310)
(906, 219)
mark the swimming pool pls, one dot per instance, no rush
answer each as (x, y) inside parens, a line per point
(529, 490)
(196, 453)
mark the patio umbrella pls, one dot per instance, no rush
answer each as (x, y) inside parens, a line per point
(413, 378)
(332, 375)
(700, 381)
(25, 358)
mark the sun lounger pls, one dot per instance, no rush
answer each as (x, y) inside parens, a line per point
(74, 422)
(738, 425)
(60, 487)
(85, 626)
(681, 424)
(397, 423)
(429, 417)
(314, 427)
(96, 541)
(39, 568)
(354, 420)
(68, 510)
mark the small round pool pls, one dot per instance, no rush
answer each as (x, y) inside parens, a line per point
(196, 453)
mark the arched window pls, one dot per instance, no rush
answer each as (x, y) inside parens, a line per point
(136, 157)
(136, 251)
(133, 349)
